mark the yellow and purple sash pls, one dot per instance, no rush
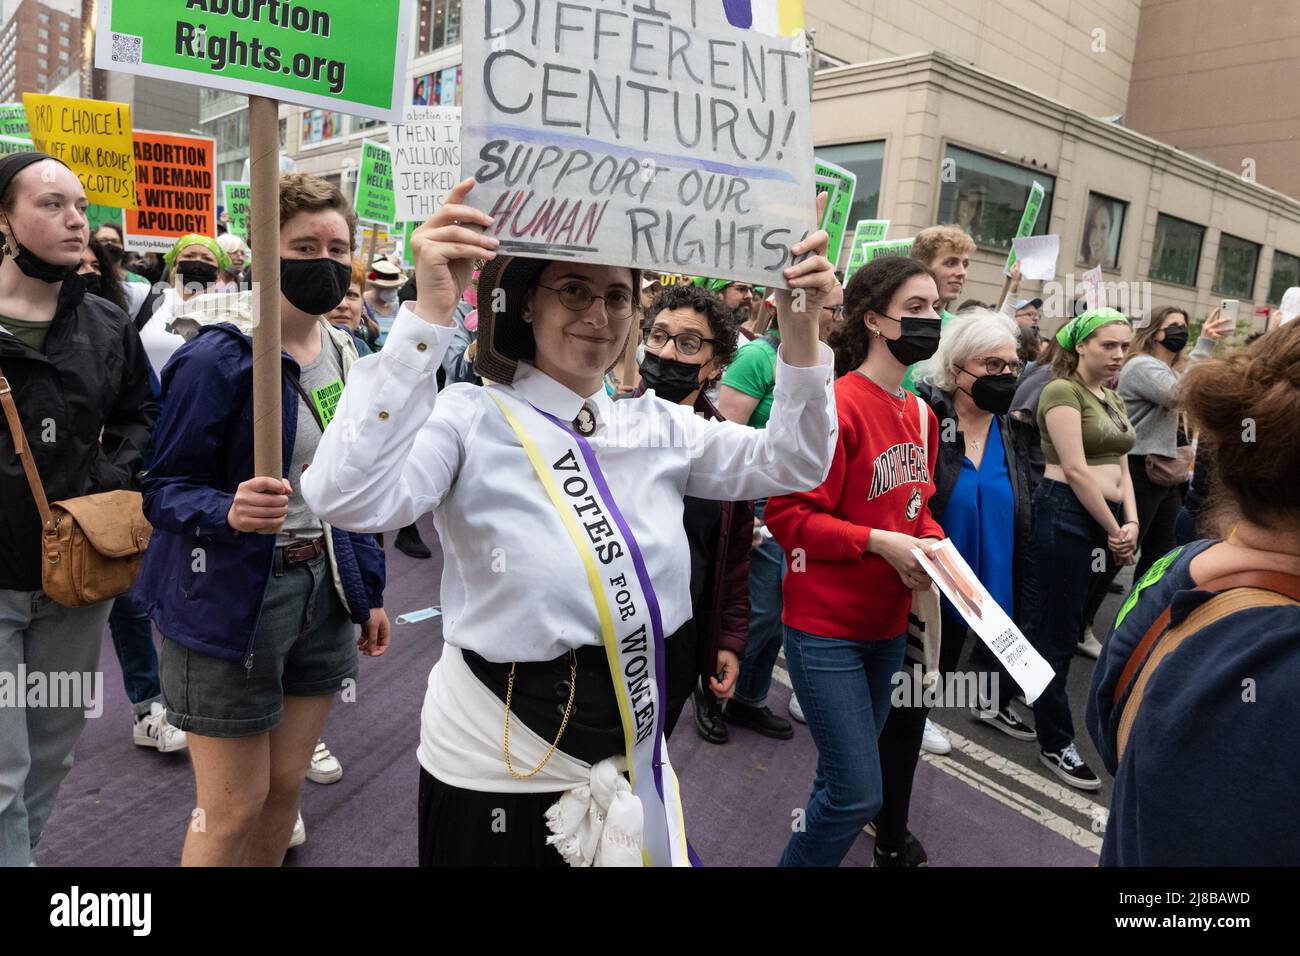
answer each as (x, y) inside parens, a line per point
(630, 623)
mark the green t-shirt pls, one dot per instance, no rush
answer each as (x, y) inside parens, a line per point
(32, 333)
(944, 318)
(1107, 433)
(753, 372)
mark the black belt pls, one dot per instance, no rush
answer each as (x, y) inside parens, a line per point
(292, 555)
(595, 728)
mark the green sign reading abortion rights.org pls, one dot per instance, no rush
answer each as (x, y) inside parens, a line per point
(345, 55)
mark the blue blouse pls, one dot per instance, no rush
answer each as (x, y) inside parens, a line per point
(980, 520)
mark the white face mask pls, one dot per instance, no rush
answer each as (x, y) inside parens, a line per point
(387, 295)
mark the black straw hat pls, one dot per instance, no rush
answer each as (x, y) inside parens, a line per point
(504, 338)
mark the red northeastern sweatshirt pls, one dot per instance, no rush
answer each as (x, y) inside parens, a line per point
(880, 478)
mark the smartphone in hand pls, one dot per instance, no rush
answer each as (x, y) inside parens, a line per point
(1228, 310)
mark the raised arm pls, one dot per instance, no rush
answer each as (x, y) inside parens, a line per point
(393, 450)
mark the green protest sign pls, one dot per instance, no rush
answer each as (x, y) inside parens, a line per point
(1028, 220)
(408, 229)
(867, 230)
(98, 215)
(15, 144)
(238, 200)
(375, 202)
(835, 219)
(871, 251)
(307, 52)
(13, 120)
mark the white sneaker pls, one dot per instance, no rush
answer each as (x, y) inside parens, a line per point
(935, 741)
(1089, 646)
(152, 730)
(299, 836)
(795, 710)
(325, 767)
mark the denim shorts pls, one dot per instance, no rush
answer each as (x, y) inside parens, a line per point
(305, 646)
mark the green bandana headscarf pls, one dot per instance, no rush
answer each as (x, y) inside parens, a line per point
(193, 239)
(719, 285)
(1082, 326)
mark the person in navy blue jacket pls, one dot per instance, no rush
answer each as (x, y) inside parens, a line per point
(256, 598)
(1210, 773)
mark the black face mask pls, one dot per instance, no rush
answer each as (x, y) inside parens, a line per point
(314, 286)
(91, 283)
(113, 253)
(196, 272)
(671, 380)
(34, 267)
(1175, 338)
(993, 393)
(919, 341)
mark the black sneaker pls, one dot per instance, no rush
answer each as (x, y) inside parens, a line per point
(1069, 766)
(912, 854)
(708, 717)
(1006, 720)
(760, 719)
(411, 544)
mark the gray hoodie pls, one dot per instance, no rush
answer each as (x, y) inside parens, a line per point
(1149, 388)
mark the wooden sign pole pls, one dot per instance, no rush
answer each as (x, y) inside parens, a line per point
(264, 233)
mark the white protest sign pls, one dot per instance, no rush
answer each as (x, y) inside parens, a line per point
(1290, 304)
(1037, 256)
(670, 135)
(426, 160)
(990, 623)
(1094, 289)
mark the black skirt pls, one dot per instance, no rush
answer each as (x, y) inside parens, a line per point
(461, 827)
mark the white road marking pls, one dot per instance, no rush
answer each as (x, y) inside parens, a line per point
(1065, 796)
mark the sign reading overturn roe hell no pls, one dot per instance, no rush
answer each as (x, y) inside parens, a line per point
(670, 136)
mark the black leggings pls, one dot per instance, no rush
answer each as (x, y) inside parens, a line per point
(900, 740)
(1157, 511)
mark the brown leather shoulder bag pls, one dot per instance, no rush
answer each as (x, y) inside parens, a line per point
(92, 546)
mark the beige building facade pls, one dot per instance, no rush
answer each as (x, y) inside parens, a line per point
(1184, 231)
(1077, 51)
(1216, 78)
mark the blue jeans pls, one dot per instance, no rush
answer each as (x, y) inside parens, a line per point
(766, 569)
(133, 641)
(844, 690)
(1068, 546)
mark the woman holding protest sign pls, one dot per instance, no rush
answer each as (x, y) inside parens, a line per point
(850, 568)
(1084, 504)
(74, 387)
(256, 597)
(560, 515)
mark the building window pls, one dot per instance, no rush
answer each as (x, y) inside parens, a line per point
(866, 161)
(1176, 252)
(1286, 273)
(1103, 230)
(1234, 273)
(439, 24)
(360, 123)
(64, 41)
(439, 88)
(63, 25)
(988, 197)
(318, 126)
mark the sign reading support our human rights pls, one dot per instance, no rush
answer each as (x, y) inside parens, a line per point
(333, 54)
(669, 135)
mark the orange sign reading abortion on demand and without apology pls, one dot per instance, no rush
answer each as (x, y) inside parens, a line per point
(174, 190)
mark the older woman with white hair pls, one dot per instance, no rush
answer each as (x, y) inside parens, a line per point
(982, 499)
(232, 276)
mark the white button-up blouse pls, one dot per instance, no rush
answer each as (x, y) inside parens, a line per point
(513, 585)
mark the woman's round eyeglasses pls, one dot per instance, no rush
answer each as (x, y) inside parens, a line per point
(578, 298)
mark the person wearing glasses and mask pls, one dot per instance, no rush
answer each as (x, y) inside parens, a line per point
(746, 396)
(982, 498)
(135, 288)
(560, 513)
(689, 339)
(1084, 504)
(852, 570)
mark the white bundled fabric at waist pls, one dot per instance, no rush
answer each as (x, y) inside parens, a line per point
(597, 820)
